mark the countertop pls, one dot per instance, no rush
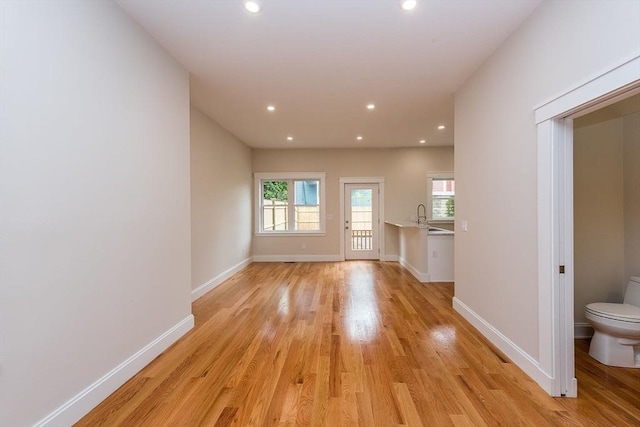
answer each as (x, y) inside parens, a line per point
(412, 224)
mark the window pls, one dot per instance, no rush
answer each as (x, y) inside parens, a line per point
(290, 203)
(441, 196)
(307, 205)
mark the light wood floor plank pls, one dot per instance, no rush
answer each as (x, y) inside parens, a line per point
(358, 343)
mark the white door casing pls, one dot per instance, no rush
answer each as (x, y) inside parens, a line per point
(361, 221)
(378, 226)
(554, 121)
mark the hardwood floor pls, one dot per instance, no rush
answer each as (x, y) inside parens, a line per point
(357, 343)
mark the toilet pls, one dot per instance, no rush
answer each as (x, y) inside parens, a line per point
(616, 338)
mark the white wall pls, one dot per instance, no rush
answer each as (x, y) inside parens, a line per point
(562, 44)
(405, 172)
(631, 154)
(598, 215)
(94, 190)
(221, 203)
(414, 251)
(606, 210)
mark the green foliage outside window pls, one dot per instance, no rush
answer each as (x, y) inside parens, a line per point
(275, 190)
(450, 208)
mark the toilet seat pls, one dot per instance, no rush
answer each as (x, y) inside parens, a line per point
(620, 312)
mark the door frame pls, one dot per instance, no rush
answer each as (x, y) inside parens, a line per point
(363, 180)
(554, 122)
(374, 252)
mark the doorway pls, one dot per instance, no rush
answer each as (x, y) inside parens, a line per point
(361, 221)
(554, 121)
(606, 175)
(361, 218)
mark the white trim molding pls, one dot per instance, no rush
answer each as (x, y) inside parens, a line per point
(258, 177)
(554, 120)
(79, 405)
(421, 276)
(449, 175)
(364, 180)
(518, 356)
(296, 258)
(390, 258)
(219, 279)
(608, 83)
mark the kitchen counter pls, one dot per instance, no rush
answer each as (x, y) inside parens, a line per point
(412, 224)
(407, 224)
(426, 251)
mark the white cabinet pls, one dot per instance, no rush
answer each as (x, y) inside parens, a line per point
(426, 251)
(440, 257)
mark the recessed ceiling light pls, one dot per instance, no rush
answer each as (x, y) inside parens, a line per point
(252, 6)
(409, 4)
(371, 106)
(271, 108)
(289, 138)
(423, 141)
(359, 138)
(441, 127)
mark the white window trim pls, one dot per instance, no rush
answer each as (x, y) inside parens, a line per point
(430, 178)
(260, 176)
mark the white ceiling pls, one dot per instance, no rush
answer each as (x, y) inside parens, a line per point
(321, 61)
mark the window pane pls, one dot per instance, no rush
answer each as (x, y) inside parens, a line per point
(443, 207)
(306, 192)
(442, 196)
(361, 219)
(307, 218)
(307, 209)
(361, 209)
(275, 205)
(443, 187)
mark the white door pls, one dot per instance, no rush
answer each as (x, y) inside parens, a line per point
(361, 224)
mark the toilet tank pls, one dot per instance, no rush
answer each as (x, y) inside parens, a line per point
(632, 295)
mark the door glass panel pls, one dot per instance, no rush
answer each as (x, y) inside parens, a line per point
(361, 219)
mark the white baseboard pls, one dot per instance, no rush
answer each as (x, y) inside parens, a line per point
(209, 285)
(90, 397)
(518, 356)
(296, 258)
(422, 277)
(582, 330)
(440, 279)
(311, 258)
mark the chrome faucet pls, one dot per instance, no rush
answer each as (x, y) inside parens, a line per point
(424, 210)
